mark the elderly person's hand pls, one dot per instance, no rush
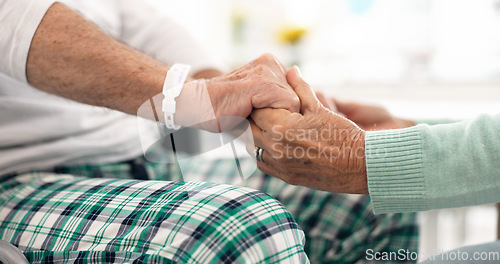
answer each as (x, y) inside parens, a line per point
(368, 117)
(259, 84)
(316, 147)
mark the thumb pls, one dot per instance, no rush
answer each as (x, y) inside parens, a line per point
(308, 99)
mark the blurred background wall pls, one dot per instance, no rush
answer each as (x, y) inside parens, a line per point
(432, 50)
(420, 58)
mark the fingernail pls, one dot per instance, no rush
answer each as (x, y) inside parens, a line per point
(298, 71)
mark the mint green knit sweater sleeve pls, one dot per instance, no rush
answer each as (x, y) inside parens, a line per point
(429, 167)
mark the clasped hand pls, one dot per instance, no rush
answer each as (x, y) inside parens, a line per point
(259, 84)
(314, 147)
(304, 142)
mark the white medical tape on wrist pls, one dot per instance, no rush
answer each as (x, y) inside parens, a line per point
(176, 76)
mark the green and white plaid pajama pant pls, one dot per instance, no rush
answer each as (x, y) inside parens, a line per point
(139, 212)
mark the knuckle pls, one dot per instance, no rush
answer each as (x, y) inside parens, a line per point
(295, 103)
(273, 87)
(269, 59)
(260, 69)
(257, 73)
(267, 56)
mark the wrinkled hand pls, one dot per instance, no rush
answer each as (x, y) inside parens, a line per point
(368, 117)
(316, 147)
(259, 84)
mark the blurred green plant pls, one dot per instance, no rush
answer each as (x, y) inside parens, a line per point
(239, 23)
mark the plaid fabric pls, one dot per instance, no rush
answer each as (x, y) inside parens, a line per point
(87, 219)
(339, 228)
(60, 219)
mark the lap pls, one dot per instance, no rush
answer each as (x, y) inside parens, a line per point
(62, 218)
(339, 228)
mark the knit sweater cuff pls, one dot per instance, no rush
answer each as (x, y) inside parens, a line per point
(394, 167)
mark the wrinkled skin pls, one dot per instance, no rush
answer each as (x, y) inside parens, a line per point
(316, 148)
(368, 117)
(259, 84)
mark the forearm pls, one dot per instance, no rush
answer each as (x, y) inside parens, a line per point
(431, 167)
(72, 58)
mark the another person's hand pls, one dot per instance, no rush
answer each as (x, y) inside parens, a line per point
(368, 117)
(259, 84)
(316, 147)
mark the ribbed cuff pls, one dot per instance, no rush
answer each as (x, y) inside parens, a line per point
(394, 167)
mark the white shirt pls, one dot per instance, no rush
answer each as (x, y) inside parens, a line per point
(40, 130)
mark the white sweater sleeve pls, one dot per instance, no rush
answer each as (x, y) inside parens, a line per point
(150, 31)
(19, 20)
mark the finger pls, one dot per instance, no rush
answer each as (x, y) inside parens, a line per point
(268, 163)
(266, 118)
(276, 97)
(328, 103)
(267, 60)
(266, 156)
(346, 108)
(259, 141)
(271, 169)
(282, 66)
(268, 169)
(321, 97)
(258, 136)
(272, 62)
(306, 95)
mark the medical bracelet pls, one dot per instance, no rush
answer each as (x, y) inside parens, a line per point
(176, 76)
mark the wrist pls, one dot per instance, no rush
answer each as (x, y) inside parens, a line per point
(194, 107)
(359, 183)
(172, 88)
